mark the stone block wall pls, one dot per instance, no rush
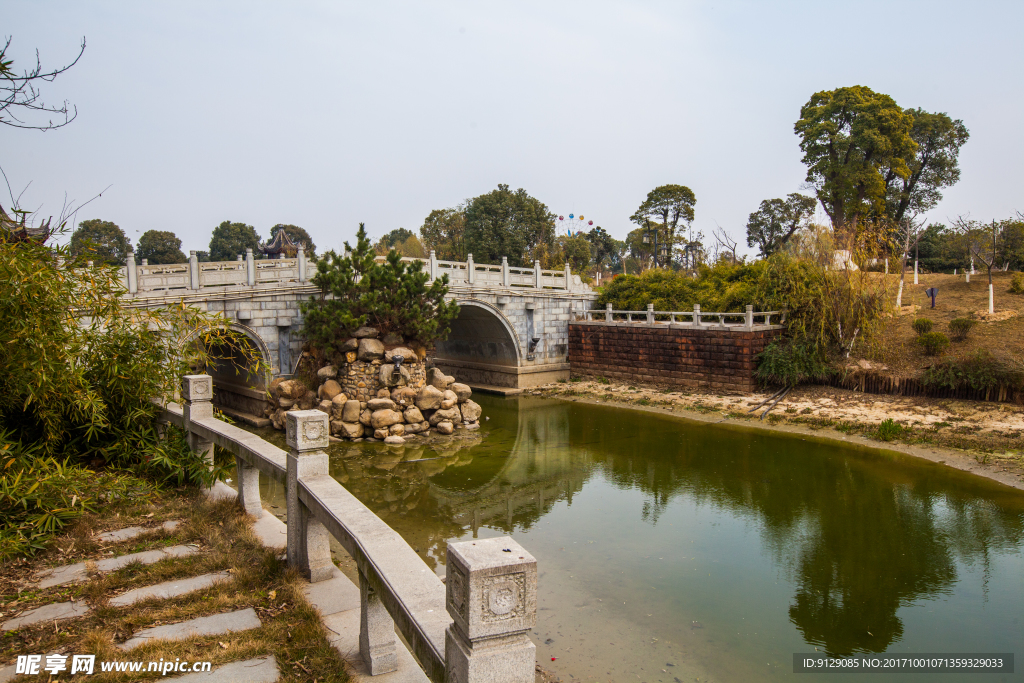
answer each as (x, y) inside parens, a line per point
(697, 358)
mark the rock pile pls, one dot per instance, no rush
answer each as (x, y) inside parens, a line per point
(375, 396)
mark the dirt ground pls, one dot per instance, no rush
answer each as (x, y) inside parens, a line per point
(1003, 334)
(986, 438)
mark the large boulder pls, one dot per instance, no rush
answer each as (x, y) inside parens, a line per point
(329, 389)
(381, 433)
(327, 372)
(462, 391)
(381, 419)
(338, 403)
(350, 344)
(408, 355)
(428, 398)
(394, 440)
(351, 430)
(291, 388)
(470, 411)
(445, 415)
(404, 396)
(448, 398)
(380, 404)
(324, 407)
(286, 403)
(364, 417)
(397, 429)
(413, 414)
(306, 401)
(445, 427)
(414, 428)
(370, 350)
(365, 333)
(436, 378)
(273, 388)
(350, 412)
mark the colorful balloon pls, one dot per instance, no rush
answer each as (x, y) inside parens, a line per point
(570, 216)
(590, 222)
(581, 216)
(561, 218)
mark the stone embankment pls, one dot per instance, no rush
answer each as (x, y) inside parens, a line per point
(383, 391)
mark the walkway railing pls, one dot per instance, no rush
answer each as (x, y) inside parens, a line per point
(747, 321)
(465, 629)
(248, 272)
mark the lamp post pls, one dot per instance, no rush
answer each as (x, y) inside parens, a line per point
(647, 240)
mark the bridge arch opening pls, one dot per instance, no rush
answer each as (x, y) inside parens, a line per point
(483, 347)
(239, 389)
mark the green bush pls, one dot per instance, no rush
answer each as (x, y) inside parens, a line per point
(1017, 284)
(392, 296)
(960, 328)
(790, 362)
(982, 372)
(922, 325)
(889, 430)
(933, 343)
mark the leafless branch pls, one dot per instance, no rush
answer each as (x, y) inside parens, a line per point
(19, 93)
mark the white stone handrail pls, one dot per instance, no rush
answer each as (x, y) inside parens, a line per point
(696, 318)
(474, 624)
(247, 272)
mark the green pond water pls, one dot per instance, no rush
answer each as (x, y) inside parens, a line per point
(670, 550)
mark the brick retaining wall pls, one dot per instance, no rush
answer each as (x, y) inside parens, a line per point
(717, 359)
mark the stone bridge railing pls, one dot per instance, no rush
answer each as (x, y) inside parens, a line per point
(472, 628)
(747, 321)
(248, 272)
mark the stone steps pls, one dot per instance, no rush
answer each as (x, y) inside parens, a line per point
(260, 670)
(58, 576)
(213, 625)
(169, 589)
(134, 531)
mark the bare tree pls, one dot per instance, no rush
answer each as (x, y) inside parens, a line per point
(909, 231)
(982, 242)
(20, 102)
(724, 243)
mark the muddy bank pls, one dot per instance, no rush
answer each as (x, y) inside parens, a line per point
(986, 439)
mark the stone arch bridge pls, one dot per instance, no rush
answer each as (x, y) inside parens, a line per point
(512, 330)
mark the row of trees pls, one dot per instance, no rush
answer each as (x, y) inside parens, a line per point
(105, 242)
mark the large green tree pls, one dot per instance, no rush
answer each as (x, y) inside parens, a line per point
(506, 223)
(933, 165)
(666, 206)
(297, 235)
(231, 239)
(101, 242)
(444, 231)
(159, 247)
(604, 247)
(852, 139)
(775, 221)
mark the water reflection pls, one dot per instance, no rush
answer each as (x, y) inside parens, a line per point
(857, 534)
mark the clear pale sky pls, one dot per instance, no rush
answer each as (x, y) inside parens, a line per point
(325, 114)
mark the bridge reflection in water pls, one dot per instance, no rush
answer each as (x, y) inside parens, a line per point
(774, 543)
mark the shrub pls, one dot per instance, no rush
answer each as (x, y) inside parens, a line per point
(1017, 284)
(889, 430)
(922, 325)
(790, 362)
(982, 372)
(933, 343)
(392, 296)
(959, 328)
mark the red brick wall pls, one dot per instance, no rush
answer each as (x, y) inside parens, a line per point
(720, 360)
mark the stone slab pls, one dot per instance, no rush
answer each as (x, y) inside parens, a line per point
(7, 673)
(336, 594)
(58, 576)
(272, 532)
(133, 531)
(261, 670)
(169, 589)
(215, 624)
(53, 612)
(343, 633)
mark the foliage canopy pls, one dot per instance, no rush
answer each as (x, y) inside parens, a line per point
(100, 241)
(506, 223)
(160, 247)
(231, 239)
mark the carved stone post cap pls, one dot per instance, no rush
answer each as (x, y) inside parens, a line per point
(306, 430)
(491, 588)
(195, 388)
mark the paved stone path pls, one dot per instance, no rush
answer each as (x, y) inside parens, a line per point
(169, 589)
(215, 624)
(261, 670)
(52, 612)
(58, 576)
(133, 531)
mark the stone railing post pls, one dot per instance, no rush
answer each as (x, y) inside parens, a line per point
(433, 265)
(133, 273)
(197, 395)
(308, 541)
(749, 320)
(506, 280)
(302, 264)
(377, 644)
(537, 275)
(608, 313)
(696, 315)
(193, 270)
(650, 314)
(470, 275)
(250, 268)
(568, 277)
(491, 595)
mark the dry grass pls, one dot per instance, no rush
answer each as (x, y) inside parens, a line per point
(259, 579)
